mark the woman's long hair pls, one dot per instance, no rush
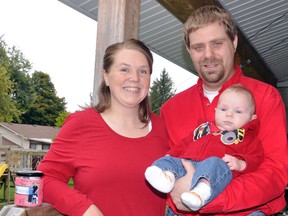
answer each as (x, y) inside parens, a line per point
(104, 95)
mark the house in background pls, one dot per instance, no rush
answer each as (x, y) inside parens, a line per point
(34, 137)
(22, 147)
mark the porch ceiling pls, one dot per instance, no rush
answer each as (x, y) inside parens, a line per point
(263, 27)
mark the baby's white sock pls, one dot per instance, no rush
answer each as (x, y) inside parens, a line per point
(160, 180)
(196, 198)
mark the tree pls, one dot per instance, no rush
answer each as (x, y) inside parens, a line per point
(46, 106)
(8, 110)
(18, 69)
(161, 90)
(61, 118)
(4, 59)
(26, 97)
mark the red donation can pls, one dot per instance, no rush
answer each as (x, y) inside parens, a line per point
(28, 188)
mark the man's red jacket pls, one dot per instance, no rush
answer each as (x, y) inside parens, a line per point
(260, 190)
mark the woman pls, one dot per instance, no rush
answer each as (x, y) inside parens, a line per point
(105, 149)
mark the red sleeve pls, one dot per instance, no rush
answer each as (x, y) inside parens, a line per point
(179, 149)
(62, 156)
(253, 159)
(267, 184)
(252, 150)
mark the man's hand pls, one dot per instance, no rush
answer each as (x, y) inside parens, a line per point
(182, 185)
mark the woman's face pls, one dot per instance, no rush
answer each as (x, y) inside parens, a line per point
(128, 78)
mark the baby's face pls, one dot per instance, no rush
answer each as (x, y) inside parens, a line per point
(234, 110)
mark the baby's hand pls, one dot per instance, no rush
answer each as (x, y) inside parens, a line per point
(234, 163)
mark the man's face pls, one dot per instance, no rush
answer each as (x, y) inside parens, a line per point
(212, 53)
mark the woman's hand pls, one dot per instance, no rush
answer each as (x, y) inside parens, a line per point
(93, 211)
(182, 185)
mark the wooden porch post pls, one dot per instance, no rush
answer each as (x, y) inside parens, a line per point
(117, 20)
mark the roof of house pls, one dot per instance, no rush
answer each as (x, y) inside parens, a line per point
(32, 131)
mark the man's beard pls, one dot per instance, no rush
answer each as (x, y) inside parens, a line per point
(212, 75)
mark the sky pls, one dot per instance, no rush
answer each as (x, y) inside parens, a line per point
(61, 42)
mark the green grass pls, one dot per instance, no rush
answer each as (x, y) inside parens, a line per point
(2, 200)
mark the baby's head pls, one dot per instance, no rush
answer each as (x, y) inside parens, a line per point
(236, 107)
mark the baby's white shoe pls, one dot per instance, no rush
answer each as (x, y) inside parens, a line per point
(160, 180)
(192, 200)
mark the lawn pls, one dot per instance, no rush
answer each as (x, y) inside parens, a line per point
(2, 201)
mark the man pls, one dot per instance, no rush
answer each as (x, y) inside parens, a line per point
(211, 40)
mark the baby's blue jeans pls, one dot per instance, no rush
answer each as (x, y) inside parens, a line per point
(214, 169)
